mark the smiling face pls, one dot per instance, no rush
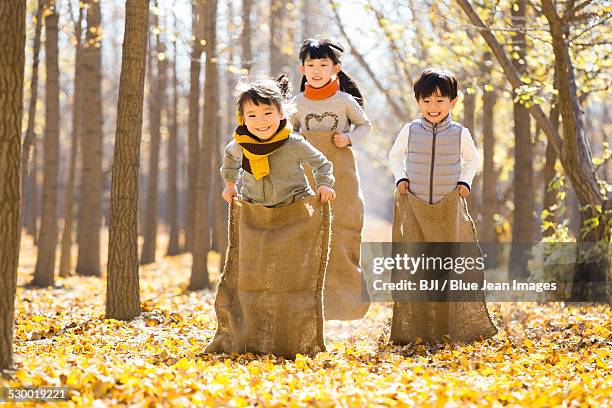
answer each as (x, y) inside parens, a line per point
(262, 120)
(319, 71)
(435, 107)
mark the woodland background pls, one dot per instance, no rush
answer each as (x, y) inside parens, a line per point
(535, 81)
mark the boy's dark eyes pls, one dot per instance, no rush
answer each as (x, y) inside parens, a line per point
(268, 113)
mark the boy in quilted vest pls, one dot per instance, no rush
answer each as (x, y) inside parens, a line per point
(434, 155)
(435, 160)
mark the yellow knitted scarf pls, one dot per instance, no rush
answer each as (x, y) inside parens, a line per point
(256, 151)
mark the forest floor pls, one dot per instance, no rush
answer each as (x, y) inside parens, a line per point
(543, 355)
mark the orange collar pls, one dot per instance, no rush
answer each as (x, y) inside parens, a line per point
(324, 92)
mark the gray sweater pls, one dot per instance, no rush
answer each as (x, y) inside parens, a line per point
(286, 181)
(335, 113)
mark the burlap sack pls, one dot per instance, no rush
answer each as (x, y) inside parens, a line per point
(465, 317)
(342, 297)
(269, 298)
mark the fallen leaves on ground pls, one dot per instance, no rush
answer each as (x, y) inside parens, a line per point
(544, 355)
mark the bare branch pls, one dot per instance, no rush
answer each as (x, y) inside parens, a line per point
(395, 107)
(511, 74)
(570, 12)
(589, 28)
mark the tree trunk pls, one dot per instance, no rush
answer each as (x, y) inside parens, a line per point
(158, 95)
(172, 193)
(193, 143)
(66, 242)
(90, 209)
(591, 272)
(524, 206)
(12, 61)
(47, 240)
(199, 271)
(219, 205)
(308, 9)
(573, 212)
(550, 196)
(123, 293)
(277, 18)
(145, 155)
(245, 36)
(469, 121)
(28, 141)
(489, 174)
(606, 119)
(31, 207)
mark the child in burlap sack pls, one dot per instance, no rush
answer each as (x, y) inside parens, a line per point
(330, 115)
(442, 156)
(270, 296)
(434, 161)
(266, 153)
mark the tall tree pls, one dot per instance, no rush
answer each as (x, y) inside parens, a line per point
(309, 7)
(278, 14)
(90, 208)
(173, 151)
(193, 143)
(47, 240)
(123, 290)
(199, 269)
(572, 150)
(489, 173)
(28, 141)
(31, 194)
(469, 121)
(219, 205)
(66, 242)
(156, 106)
(245, 36)
(549, 168)
(595, 214)
(523, 218)
(12, 60)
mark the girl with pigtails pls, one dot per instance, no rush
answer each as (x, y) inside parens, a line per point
(329, 114)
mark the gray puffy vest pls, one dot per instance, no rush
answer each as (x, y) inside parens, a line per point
(433, 162)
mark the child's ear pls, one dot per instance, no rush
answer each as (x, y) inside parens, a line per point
(337, 68)
(239, 118)
(302, 68)
(282, 115)
(453, 102)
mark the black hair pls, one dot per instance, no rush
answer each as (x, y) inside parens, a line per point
(329, 48)
(263, 91)
(436, 78)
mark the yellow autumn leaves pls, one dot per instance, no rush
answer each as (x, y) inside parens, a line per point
(544, 355)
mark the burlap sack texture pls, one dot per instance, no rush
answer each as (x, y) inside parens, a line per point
(466, 318)
(269, 298)
(342, 298)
